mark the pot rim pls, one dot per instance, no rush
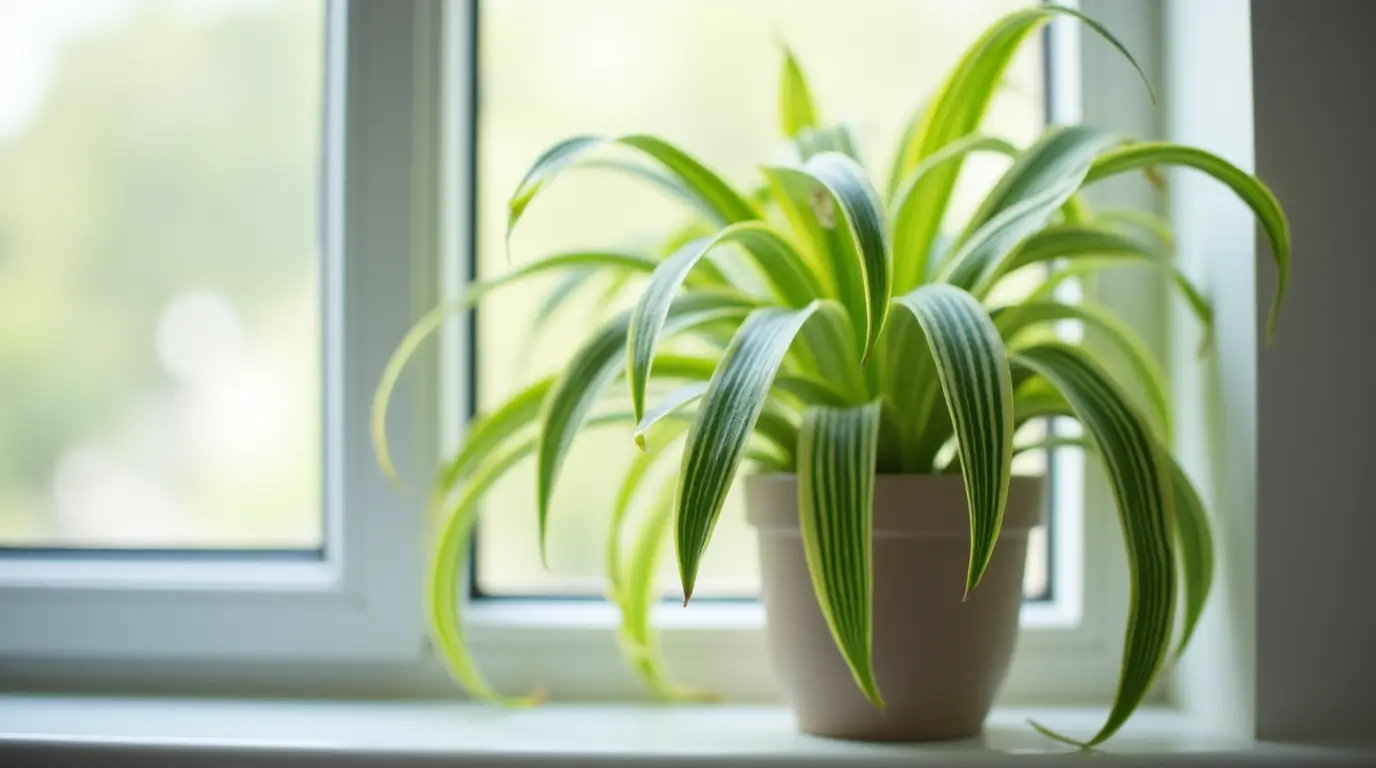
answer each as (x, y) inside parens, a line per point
(771, 503)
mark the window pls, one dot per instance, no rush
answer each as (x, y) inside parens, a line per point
(274, 192)
(159, 268)
(195, 297)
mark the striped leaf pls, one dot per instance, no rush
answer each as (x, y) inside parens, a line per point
(917, 211)
(1014, 320)
(775, 257)
(449, 562)
(796, 108)
(728, 413)
(1139, 474)
(1196, 542)
(435, 318)
(972, 366)
(837, 450)
(1247, 187)
(715, 195)
(844, 203)
(1060, 152)
(589, 373)
(1193, 535)
(1040, 181)
(833, 138)
(960, 104)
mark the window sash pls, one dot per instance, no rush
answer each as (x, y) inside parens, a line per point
(343, 605)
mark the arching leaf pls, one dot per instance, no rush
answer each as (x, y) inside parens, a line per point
(727, 415)
(837, 450)
(1247, 187)
(972, 366)
(1139, 475)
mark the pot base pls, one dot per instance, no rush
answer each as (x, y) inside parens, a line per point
(938, 659)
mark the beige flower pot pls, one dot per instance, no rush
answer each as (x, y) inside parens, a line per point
(938, 661)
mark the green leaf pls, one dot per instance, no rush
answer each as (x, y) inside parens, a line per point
(485, 434)
(1075, 241)
(631, 584)
(1196, 542)
(1143, 221)
(1247, 187)
(1139, 474)
(897, 164)
(636, 635)
(1084, 264)
(972, 366)
(775, 256)
(1192, 532)
(1052, 444)
(843, 200)
(729, 411)
(1040, 181)
(796, 108)
(917, 209)
(833, 138)
(726, 205)
(963, 99)
(1016, 319)
(837, 450)
(449, 560)
(589, 373)
(1061, 152)
(1032, 404)
(436, 318)
(673, 401)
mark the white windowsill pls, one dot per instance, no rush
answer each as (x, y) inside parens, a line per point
(80, 731)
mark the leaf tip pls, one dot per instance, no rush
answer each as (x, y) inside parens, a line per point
(640, 441)
(1050, 734)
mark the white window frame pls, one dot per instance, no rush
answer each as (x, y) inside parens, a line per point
(351, 604)
(397, 235)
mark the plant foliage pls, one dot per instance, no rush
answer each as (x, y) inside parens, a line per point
(870, 340)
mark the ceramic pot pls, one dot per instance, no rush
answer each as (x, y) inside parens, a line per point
(939, 660)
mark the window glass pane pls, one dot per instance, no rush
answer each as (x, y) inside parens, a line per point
(159, 292)
(702, 73)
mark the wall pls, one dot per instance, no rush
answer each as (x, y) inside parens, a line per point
(1281, 436)
(1315, 106)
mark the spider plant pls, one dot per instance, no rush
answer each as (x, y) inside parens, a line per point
(850, 332)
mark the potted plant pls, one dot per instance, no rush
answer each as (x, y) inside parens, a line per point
(876, 389)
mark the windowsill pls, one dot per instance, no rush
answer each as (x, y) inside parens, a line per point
(79, 731)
